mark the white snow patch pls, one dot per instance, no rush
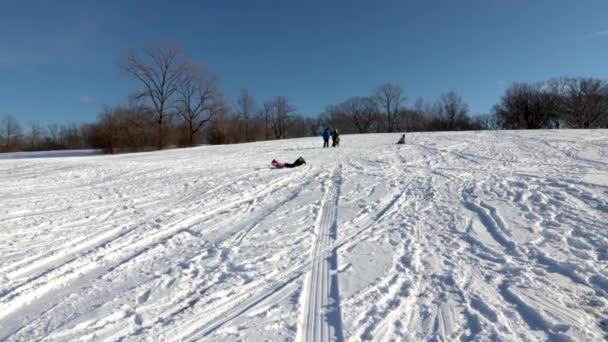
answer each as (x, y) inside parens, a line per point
(452, 236)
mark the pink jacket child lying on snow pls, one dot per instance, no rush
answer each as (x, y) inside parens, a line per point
(278, 164)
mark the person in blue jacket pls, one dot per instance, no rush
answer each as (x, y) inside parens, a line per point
(326, 136)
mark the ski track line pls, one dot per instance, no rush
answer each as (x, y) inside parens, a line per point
(365, 221)
(237, 306)
(395, 294)
(39, 286)
(96, 240)
(241, 303)
(321, 321)
(73, 250)
(237, 238)
(175, 307)
(142, 252)
(251, 223)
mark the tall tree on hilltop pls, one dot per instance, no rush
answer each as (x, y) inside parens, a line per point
(160, 71)
(584, 102)
(451, 110)
(390, 97)
(282, 111)
(199, 99)
(245, 105)
(10, 130)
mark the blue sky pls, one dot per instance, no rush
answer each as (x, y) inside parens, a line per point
(58, 58)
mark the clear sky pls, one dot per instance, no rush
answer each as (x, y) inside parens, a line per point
(58, 58)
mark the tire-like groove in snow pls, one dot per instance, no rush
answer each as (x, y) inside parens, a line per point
(321, 317)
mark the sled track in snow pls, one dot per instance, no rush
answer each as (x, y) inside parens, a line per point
(111, 230)
(324, 290)
(321, 316)
(85, 264)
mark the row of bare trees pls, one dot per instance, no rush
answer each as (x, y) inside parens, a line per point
(172, 86)
(559, 103)
(180, 103)
(36, 137)
(564, 102)
(184, 103)
(385, 111)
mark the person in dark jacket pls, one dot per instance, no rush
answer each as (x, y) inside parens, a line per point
(326, 138)
(335, 138)
(279, 165)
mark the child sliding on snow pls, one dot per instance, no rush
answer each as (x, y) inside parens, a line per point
(278, 164)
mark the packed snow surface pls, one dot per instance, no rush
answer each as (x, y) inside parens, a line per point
(452, 236)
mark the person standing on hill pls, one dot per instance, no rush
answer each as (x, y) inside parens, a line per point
(326, 138)
(335, 138)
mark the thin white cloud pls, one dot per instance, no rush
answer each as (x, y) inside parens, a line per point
(596, 34)
(86, 99)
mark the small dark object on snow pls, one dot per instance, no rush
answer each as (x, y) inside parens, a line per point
(402, 140)
(278, 164)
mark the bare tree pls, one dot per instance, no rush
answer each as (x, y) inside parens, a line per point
(313, 125)
(109, 126)
(451, 110)
(245, 105)
(362, 112)
(411, 120)
(266, 115)
(70, 136)
(333, 116)
(337, 116)
(488, 121)
(122, 129)
(11, 131)
(282, 111)
(526, 106)
(160, 71)
(221, 128)
(297, 127)
(36, 134)
(199, 99)
(53, 133)
(584, 101)
(276, 115)
(390, 97)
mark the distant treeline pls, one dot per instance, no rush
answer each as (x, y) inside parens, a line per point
(179, 103)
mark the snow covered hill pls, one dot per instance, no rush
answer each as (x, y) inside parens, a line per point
(452, 236)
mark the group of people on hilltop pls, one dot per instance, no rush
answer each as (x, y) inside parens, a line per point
(334, 135)
(335, 142)
(335, 138)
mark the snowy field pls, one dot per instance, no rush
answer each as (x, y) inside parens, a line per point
(452, 236)
(49, 154)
